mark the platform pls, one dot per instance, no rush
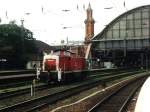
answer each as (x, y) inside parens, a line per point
(143, 101)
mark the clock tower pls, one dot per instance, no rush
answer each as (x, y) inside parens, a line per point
(89, 24)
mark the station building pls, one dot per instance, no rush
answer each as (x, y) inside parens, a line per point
(126, 40)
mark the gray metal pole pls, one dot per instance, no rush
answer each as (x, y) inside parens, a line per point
(146, 61)
(31, 89)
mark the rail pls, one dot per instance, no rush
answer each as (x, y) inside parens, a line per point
(118, 99)
(36, 103)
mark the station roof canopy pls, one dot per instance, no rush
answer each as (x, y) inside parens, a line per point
(130, 30)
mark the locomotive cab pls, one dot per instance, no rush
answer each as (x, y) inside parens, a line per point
(61, 65)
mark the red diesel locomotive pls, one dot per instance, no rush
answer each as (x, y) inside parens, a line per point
(63, 65)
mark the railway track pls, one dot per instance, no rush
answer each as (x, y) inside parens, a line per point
(13, 78)
(16, 72)
(19, 74)
(5, 87)
(27, 90)
(94, 75)
(33, 104)
(18, 85)
(10, 94)
(117, 101)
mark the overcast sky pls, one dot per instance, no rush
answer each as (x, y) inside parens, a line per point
(47, 18)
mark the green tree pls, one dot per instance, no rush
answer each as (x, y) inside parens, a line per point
(16, 45)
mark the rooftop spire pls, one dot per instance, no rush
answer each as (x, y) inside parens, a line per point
(89, 7)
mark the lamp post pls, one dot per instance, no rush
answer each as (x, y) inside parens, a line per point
(146, 60)
(22, 23)
(22, 35)
(65, 28)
